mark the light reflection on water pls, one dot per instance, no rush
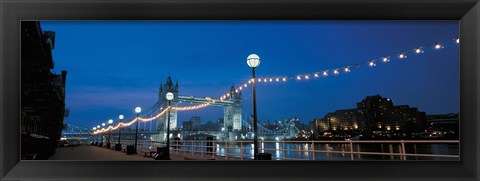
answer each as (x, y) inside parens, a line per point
(280, 150)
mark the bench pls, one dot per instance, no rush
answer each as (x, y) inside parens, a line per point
(150, 152)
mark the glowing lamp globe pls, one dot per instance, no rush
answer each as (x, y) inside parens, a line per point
(120, 117)
(98, 126)
(169, 96)
(103, 124)
(138, 109)
(110, 121)
(253, 60)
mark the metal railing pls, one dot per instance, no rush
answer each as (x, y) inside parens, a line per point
(312, 150)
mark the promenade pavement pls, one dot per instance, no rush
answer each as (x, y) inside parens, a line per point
(89, 152)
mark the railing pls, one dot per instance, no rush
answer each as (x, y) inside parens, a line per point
(310, 150)
(318, 150)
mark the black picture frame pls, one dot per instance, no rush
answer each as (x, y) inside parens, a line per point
(12, 12)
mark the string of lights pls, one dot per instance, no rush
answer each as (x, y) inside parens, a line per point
(154, 117)
(345, 69)
(284, 78)
(188, 108)
(121, 124)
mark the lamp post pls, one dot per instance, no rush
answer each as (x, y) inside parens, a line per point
(120, 128)
(137, 110)
(103, 126)
(253, 62)
(98, 127)
(93, 130)
(118, 146)
(110, 121)
(169, 97)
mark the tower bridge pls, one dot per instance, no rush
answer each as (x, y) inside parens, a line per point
(235, 123)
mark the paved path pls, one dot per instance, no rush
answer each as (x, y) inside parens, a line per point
(89, 152)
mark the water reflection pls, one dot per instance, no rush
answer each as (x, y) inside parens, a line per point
(323, 151)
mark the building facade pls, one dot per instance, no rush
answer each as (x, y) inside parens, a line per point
(372, 116)
(42, 93)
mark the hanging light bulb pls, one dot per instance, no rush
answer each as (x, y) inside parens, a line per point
(385, 59)
(259, 80)
(270, 79)
(284, 79)
(298, 77)
(245, 85)
(371, 64)
(401, 56)
(346, 69)
(306, 77)
(438, 46)
(418, 50)
(277, 79)
(249, 81)
(325, 73)
(265, 80)
(457, 40)
(335, 72)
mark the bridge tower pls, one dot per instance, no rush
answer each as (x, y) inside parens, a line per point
(233, 114)
(163, 103)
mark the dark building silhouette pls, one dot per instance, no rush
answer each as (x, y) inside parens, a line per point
(377, 114)
(444, 125)
(42, 93)
(373, 115)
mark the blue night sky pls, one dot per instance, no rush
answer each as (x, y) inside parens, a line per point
(116, 66)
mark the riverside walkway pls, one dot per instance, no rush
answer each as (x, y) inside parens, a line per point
(89, 152)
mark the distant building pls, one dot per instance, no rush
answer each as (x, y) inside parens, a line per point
(447, 125)
(377, 114)
(43, 93)
(195, 122)
(187, 126)
(373, 115)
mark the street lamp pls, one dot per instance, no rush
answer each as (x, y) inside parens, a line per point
(137, 110)
(98, 127)
(93, 130)
(110, 121)
(103, 125)
(253, 61)
(169, 97)
(118, 146)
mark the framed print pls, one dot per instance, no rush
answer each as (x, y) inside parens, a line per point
(272, 90)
